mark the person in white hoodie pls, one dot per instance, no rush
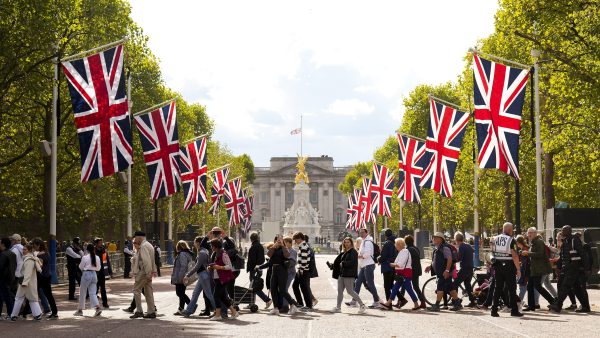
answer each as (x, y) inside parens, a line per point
(366, 265)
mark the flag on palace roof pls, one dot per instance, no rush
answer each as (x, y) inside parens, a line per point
(499, 94)
(101, 112)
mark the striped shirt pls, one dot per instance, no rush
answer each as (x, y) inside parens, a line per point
(304, 257)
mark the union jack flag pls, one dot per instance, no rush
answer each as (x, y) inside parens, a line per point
(499, 94)
(382, 188)
(192, 165)
(351, 212)
(365, 201)
(160, 142)
(410, 168)
(101, 112)
(444, 138)
(217, 190)
(247, 210)
(358, 208)
(234, 201)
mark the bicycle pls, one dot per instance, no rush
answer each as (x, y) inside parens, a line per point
(430, 286)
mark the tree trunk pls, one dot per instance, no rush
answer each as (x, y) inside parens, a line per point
(508, 214)
(548, 180)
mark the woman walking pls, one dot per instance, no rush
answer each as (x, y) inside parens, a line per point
(180, 268)
(44, 280)
(89, 266)
(221, 269)
(345, 269)
(28, 287)
(204, 279)
(403, 269)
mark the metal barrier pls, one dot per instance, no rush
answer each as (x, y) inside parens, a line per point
(117, 262)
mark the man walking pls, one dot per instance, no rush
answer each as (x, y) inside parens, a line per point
(388, 256)
(366, 264)
(8, 265)
(465, 274)
(127, 254)
(572, 276)
(506, 265)
(74, 254)
(442, 265)
(256, 257)
(105, 270)
(303, 274)
(146, 268)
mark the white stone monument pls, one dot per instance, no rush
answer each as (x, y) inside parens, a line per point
(301, 216)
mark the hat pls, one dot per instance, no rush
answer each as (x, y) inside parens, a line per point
(76, 240)
(439, 234)
(140, 233)
(217, 229)
(15, 237)
(389, 233)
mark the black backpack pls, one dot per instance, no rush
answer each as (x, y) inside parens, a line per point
(237, 261)
(376, 251)
(587, 257)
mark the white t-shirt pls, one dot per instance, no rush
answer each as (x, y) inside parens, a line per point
(86, 263)
(403, 260)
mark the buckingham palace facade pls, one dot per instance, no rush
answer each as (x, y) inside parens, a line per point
(273, 192)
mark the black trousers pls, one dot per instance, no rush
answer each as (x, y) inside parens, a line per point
(102, 287)
(230, 287)
(127, 268)
(572, 279)
(278, 286)
(506, 275)
(74, 277)
(45, 284)
(183, 298)
(535, 283)
(464, 276)
(221, 298)
(388, 283)
(301, 287)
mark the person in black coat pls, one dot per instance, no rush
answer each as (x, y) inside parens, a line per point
(256, 257)
(388, 255)
(345, 270)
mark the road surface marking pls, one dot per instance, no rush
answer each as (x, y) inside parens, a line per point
(503, 327)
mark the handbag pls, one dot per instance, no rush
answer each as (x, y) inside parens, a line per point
(194, 277)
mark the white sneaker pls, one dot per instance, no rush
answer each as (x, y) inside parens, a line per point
(362, 309)
(78, 313)
(293, 309)
(268, 304)
(274, 312)
(336, 310)
(216, 318)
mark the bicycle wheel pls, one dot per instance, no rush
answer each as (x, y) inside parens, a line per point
(429, 290)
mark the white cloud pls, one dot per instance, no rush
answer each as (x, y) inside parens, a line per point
(352, 108)
(240, 59)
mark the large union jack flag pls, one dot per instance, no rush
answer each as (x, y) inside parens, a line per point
(382, 188)
(219, 179)
(234, 201)
(247, 210)
(499, 94)
(365, 202)
(444, 139)
(410, 168)
(160, 143)
(100, 108)
(192, 165)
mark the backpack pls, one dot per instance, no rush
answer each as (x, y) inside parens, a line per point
(237, 261)
(453, 251)
(376, 251)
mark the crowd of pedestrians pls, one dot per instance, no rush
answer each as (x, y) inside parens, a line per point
(520, 270)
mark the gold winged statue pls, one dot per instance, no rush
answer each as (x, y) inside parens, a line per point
(301, 174)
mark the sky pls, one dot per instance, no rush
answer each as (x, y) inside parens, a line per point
(345, 66)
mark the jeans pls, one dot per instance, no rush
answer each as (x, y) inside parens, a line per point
(523, 290)
(278, 286)
(259, 293)
(89, 279)
(366, 275)
(406, 284)
(45, 285)
(6, 296)
(43, 300)
(416, 288)
(290, 278)
(548, 285)
(203, 284)
(535, 283)
(347, 283)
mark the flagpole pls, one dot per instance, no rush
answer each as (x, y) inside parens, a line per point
(301, 136)
(453, 105)
(475, 195)
(221, 167)
(475, 51)
(170, 232)
(53, 166)
(538, 144)
(94, 50)
(410, 136)
(435, 229)
(162, 104)
(194, 139)
(401, 220)
(129, 197)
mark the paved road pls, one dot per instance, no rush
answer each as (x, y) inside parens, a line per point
(321, 323)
